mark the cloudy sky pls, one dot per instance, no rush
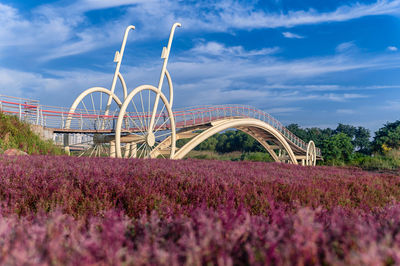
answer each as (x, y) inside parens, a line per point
(311, 62)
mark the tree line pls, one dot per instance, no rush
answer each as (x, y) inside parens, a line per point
(347, 142)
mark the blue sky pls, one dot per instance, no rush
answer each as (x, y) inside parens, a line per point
(315, 63)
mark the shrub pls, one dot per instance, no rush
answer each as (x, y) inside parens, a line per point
(18, 135)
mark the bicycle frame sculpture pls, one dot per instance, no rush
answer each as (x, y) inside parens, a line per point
(155, 137)
(133, 128)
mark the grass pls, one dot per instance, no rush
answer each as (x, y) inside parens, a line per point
(388, 161)
(18, 135)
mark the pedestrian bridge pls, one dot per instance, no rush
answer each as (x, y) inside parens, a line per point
(196, 124)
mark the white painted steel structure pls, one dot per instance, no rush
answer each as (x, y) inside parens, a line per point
(142, 123)
(188, 122)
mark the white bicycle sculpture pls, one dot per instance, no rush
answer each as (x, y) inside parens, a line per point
(145, 125)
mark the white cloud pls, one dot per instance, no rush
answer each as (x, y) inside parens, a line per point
(328, 87)
(219, 49)
(246, 15)
(291, 35)
(58, 90)
(101, 4)
(345, 47)
(276, 72)
(38, 35)
(221, 78)
(52, 31)
(234, 15)
(392, 48)
(393, 105)
(343, 97)
(213, 80)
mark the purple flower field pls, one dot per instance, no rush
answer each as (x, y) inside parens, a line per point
(85, 211)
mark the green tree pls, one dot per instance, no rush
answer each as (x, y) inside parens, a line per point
(349, 130)
(222, 144)
(181, 142)
(361, 140)
(299, 132)
(318, 135)
(359, 137)
(208, 145)
(315, 134)
(387, 137)
(337, 149)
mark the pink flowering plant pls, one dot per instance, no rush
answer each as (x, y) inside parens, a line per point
(66, 210)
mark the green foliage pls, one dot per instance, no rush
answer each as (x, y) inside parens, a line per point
(338, 149)
(299, 132)
(181, 142)
(389, 161)
(315, 134)
(208, 145)
(387, 138)
(325, 139)
(236, 140)
(226, 142)
(349, 130)
(359, 135)
(18, 135)
(361, 140)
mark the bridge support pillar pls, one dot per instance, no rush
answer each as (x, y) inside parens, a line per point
(127, 150)
(66, 143)
(112, 149)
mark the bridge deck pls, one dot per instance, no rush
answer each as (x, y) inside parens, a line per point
(87, 122)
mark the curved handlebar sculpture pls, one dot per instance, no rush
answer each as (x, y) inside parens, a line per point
(150, 122)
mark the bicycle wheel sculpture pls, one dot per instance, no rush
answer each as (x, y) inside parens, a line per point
(95, 110)
(311, 155)
(146, 125)
(139, 132)
(91, 111)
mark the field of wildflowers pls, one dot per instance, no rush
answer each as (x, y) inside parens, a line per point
(67, 210)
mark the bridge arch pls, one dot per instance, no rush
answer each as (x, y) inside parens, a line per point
(245, 125)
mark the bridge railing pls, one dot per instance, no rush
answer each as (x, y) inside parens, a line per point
(56, 117)
(25, 109)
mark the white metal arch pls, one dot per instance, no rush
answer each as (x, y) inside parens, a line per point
(262, 142)
(235, 123)
(311, 155)
(83, 95)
